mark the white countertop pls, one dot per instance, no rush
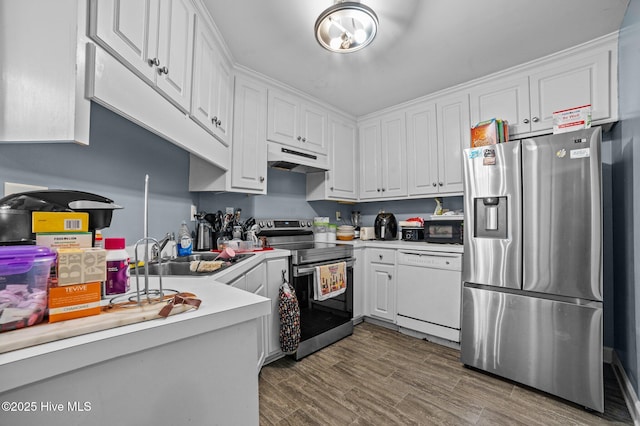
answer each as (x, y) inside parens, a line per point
(221, 307)
(406, 245)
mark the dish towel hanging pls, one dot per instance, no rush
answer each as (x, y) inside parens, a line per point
(289, 311)
(330, 280)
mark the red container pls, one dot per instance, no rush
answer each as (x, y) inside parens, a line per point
(24, 282)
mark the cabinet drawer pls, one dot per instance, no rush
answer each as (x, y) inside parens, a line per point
(386, 256)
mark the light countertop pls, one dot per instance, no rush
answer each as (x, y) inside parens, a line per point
(222, 306)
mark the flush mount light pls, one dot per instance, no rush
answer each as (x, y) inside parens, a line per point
(346, 27)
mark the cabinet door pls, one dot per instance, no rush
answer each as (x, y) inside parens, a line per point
(283, 115)
(573, 82)
(222, 99)
(212, 86)
(313, 128)
(343, 155)
(453, 137)
(256, 284)
(249, 150)
(422, 150)
(128, 29)
(382, 291)
(240, 282)
(394, 156)
(505, 99)
(175, 50)
(370, 166)
(202, 102)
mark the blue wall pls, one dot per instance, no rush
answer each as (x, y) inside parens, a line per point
(626, 197)
(114, 165)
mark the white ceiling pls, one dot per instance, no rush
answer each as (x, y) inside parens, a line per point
(422, 45)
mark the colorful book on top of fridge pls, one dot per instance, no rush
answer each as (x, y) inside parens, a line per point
(489, 132)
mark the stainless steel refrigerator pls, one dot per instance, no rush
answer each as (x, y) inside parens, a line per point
(532, 266)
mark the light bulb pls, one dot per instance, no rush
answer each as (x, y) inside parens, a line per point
(335, 43)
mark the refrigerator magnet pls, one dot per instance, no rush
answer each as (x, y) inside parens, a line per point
(489, 157)
(580, 153)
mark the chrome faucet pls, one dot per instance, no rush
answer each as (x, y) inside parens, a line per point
(156, 249)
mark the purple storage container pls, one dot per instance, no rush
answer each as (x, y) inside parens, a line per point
(24, 283)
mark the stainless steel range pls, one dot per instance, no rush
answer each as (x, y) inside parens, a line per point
(322, 322)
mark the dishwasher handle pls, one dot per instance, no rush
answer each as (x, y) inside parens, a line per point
(437, 260)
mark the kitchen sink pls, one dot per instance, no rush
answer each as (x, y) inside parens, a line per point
(182, 265)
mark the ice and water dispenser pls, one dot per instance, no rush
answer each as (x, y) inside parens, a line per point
(490, 217)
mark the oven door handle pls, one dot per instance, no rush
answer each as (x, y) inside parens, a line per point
(302, 271)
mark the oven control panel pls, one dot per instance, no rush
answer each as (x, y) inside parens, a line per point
(285, 224)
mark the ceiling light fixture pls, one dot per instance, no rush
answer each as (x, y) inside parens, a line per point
(346, 26)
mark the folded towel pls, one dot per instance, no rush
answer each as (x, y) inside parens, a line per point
(330, 280)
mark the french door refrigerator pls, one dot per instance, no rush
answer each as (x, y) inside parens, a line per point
(532, 265)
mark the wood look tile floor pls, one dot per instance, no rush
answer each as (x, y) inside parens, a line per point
(379, 376)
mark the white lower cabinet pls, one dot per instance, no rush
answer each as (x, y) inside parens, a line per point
(254, 281)
(381, 283)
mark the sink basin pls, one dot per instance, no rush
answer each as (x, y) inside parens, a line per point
(182, 265)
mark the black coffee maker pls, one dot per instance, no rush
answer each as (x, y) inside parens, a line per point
(386, 226)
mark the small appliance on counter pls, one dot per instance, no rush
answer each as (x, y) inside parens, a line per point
(386, 226)
(367, 233)
(412, 229)
(444, 229)
(16, 210)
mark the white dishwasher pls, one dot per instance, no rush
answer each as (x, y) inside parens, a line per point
(429, 290)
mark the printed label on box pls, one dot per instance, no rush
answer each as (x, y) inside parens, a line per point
(74, 301)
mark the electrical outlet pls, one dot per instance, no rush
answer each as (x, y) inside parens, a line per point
(194, 212)
(338, 216)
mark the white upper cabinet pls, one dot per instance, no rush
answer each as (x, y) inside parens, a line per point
(453, 137)
(422, 149)
(249, 150)
(383, 157)
(571, 82)
(42, 89)
(528, 98)
(154, 38)
(341, 181)
(296, 122)
(212, 85)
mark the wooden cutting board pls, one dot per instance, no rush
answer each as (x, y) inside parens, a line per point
(109, 318)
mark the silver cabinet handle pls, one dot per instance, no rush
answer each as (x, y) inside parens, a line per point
(383, 189)
(299, 138)
(163, 70)
(434, 184)
(378, 190)
(214, 121)
(525, 121)
(218, 123)
(440, 183)
(261, 178)
(304, 139)
(153, 62)
(535, 119)
(331, 188)
(380, 256)
(390, 277)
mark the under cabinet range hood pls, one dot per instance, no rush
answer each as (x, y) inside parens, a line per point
(283, 158)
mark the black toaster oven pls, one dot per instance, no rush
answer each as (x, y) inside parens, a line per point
(444, 231)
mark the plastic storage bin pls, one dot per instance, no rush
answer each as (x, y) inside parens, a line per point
(24, 281)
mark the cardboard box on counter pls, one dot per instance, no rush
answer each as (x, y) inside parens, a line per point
(59, 222)
(81, 265)
(56, 240)
(74, 301)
